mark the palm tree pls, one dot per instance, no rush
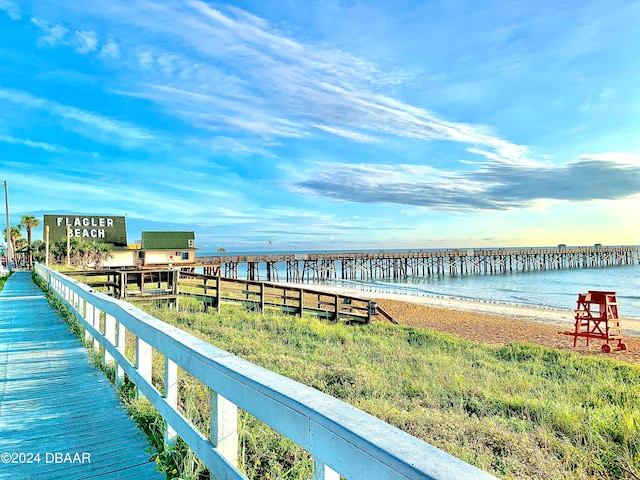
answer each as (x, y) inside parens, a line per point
(79, 252)
(29, 222)
(16, 234)
(39, 250)
(59, 251)
(82, 253)
(100, 252)
(17, 242)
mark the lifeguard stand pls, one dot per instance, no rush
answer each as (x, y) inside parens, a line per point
(597, 317)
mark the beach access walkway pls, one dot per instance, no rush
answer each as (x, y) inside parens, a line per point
(59, 415)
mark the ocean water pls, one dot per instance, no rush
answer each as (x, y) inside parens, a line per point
(547, 288)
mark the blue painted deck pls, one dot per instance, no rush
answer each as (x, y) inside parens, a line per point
(53, 402)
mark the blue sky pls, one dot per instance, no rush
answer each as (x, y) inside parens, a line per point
(333, 124)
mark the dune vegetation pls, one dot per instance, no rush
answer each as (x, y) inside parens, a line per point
(517, 411)
(3, 279)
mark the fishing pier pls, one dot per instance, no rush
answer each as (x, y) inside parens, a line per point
(312, 267)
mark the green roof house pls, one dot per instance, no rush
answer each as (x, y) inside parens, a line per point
(162, 248)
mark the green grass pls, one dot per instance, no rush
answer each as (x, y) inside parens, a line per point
(171, 461)
(517, 411)
(3, 279)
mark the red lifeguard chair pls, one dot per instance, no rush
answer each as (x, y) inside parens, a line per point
(597, 317)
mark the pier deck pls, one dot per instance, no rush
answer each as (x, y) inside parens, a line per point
(59, 416)
(309, 267)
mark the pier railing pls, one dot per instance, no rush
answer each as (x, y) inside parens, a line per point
(310, 267)
(342, 440)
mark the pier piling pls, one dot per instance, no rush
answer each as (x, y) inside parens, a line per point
(319, 267)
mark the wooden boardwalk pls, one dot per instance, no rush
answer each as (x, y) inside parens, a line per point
(59, 416)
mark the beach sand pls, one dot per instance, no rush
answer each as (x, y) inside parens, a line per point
(494, 323)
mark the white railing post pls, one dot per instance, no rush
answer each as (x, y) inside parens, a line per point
(110, 335)
(121, 333)
(223, 428)
(171, 396)
(96, 325)
(323, 472)
(82, 309)
(144, 356)
(89, 310)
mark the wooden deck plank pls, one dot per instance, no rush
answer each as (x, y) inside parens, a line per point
(54, 402)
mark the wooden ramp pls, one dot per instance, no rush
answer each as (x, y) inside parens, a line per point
(59, 416)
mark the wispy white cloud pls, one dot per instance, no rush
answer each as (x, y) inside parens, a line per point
(238, 146)
(29, 143)
(11, 9)
(91, 125)
(65, 191)
(110, 50)
(53, 34)
(220, 216)
(145, 59)
(85, 41)
(273, 85)
(341, 132)
(127, 132)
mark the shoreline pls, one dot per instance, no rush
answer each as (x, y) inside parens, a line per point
(564, 319)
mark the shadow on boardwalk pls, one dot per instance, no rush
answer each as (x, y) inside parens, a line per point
(59, 416)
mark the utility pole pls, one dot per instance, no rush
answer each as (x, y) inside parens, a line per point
(68, 243)
(46, 230)
(8, 250)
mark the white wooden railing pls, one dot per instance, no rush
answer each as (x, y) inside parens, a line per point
(343, 440)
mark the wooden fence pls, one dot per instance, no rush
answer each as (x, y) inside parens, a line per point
(259, 296)
(212, 291)
(160, 283)
(342, 440)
